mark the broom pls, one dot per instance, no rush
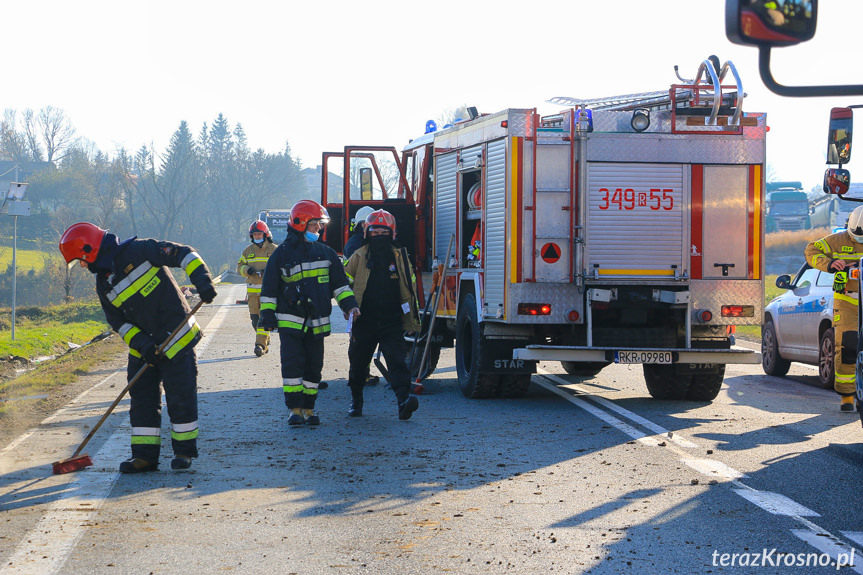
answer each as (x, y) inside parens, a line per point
(78, 462)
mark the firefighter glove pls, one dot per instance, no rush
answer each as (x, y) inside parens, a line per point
(207, 293)
(151, 353)
(840, 279)
(267, 320)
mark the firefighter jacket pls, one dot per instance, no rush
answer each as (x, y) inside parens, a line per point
(300, 282)
(140, 297)
(252, 264)
(358, 274)
(839, 246)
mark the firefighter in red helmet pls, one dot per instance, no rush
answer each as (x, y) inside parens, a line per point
(301, 279)
(385, 288)
(251, 266)
(143, 304)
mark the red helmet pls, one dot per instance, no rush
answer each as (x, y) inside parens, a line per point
(382, 219)
(305, 211)
(81, 242)
(259, 226)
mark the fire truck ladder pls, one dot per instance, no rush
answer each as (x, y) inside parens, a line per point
(692, 93)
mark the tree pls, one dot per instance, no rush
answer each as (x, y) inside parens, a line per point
(58, 134)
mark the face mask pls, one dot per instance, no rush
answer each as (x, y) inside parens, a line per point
(310, 237)
(258, 242)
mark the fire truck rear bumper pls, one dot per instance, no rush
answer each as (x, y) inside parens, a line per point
(608, 354)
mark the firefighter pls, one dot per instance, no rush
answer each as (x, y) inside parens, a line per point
(251, 266)
(358, 225)
(389, 309)
(143, 304)
(301, 278)
(835, 254)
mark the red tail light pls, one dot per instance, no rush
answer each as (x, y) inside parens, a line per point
(534, 309)
(738, 311)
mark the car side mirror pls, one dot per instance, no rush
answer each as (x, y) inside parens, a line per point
(783, 281)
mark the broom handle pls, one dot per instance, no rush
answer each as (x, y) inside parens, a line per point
(133, 381)
(440, 287)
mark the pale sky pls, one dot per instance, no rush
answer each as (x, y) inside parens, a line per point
(324, 74)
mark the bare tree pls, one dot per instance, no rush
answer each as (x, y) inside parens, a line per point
(57, 132)
(31, 135)
(12, 144)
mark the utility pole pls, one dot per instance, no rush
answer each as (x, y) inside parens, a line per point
(14, 205)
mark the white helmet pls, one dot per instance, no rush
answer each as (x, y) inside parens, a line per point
(361, 215)
(855, 225)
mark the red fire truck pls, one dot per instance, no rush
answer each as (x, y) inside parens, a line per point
(621, 230)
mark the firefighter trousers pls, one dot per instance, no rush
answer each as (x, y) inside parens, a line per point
(844, 319)
(262, 336)
(302, 356)
(365, 337)
(180, 380)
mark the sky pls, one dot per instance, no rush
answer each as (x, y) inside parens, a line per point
(321, 75)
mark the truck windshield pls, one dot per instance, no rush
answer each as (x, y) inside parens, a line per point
(786, 208)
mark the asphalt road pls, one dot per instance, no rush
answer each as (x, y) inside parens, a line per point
(580, 476)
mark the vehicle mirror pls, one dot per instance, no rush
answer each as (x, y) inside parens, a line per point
(836, 181)
(839, 136)
(783, 281)
(770, 23)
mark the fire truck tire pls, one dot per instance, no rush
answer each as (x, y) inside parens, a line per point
(431, 360)
(468, 353)
(771, 362)
(705, 386)
(515, 385)
(663, 383)
(583, 369)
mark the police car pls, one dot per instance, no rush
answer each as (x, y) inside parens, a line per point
(798, 325)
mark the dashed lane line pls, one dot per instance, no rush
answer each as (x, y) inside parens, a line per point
(774, 503)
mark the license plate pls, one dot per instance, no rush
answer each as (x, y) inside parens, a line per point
(642, 357)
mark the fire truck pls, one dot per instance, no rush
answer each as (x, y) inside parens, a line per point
(625, 229)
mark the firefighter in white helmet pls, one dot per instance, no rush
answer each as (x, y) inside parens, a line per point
(251, 266)
(358, 225)
(837, 253)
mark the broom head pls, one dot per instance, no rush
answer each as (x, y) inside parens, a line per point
(72, 464)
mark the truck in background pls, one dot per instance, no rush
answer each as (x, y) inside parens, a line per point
(277, 221)
(786, 207)
(622, 230)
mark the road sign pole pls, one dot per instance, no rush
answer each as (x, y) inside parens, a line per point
(14, 269)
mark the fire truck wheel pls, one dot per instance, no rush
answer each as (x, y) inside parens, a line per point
(771, 361)
(515, 385)
(583, 369)
(431, 360)
(663, 383)
(468, 353)
(705, 386)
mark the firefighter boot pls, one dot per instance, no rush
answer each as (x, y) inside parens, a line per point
(296, 417)
(407, 407)
(137, 465)
(847, 403)
(356, 409)
(259, 350)
(181, 462)
(310, 418)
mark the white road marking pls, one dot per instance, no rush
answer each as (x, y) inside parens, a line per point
(832, 547)
(664, 434)
(774, 503)
(45, 549)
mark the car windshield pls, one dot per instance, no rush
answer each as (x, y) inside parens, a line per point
(789, 208)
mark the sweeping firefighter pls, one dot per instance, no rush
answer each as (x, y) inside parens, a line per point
(251, 266)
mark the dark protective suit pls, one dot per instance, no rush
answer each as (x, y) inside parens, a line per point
(143, 304)
(300, 281)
